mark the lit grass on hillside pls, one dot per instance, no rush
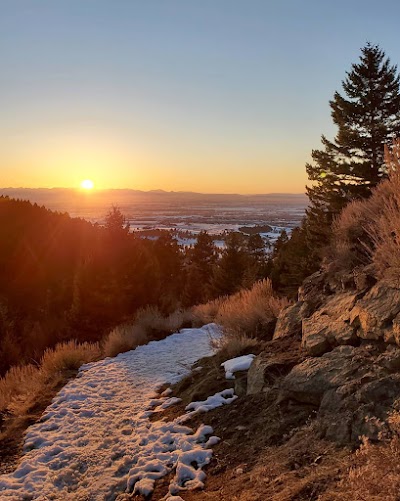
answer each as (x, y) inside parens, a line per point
(248, 313)
(368, 231)
(21, 386)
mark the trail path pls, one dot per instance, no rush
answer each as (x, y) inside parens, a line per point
(95, 437)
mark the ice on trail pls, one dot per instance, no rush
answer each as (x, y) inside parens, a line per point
(95, 439)
(237, 364)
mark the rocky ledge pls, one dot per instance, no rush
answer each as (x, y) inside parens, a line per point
(349, 372)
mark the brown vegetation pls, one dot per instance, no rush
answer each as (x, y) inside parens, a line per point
(368, 231)
(248, 313)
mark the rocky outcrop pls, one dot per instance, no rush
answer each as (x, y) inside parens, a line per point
(289, 322)
(350, 376)
(373, 315)
(267, 368)
(331, 315)
(330, 325)
(351, 389)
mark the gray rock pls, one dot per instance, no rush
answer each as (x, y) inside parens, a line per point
(240, 383)
(351, 388)
(330, 325)
(375, 312)
(289, 322)
(267, 369)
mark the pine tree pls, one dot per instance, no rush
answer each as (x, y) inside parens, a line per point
(368, 117)
(230, 269)
(200, 263)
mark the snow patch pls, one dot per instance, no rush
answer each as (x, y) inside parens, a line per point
(233, 365)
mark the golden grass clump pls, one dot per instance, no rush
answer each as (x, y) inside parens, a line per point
(19, 380)
(22, 385)
(248, 313)
(151, 319)
(368, 231)
(68, 356)
(124, 338)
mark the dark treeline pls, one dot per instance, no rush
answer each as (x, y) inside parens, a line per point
(65, 278)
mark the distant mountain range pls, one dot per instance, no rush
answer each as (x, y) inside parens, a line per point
(95, 204)
(43, 195)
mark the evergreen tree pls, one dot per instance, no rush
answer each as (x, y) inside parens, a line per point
(257, 260)
(201, 260)
(116, 223)
(230, 269)
(368, 117)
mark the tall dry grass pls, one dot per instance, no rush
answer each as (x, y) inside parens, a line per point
(124, 338)
(374, 470)
(368, 232)
(248, 313)
(22, 386)
(149, 323)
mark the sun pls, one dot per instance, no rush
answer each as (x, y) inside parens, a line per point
(87, 184)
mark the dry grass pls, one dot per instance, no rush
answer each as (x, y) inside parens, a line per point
(68, 356)
(149, 324)
(234, 346)
(207, 312)
(249, 313)
(124, 338)
(19, 380)
(151, 320)
(22, 385)
(368, 231)
(373, 470)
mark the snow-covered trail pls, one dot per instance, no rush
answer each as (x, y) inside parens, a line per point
(93, 437)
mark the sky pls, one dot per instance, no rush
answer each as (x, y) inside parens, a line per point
(215, 96)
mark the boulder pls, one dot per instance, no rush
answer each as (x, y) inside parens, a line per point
(330, 325)
(374, 314)
(312, 293)
(240, 383)
(351, 388)
(309, 381)
(267, 368)
(289, 322)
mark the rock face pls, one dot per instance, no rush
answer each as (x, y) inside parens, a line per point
(289, 322)
(332, 317)
(349, 390)
(330, 325)
(267, 368)
(351, 376)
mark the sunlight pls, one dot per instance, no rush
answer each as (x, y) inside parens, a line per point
(87, 184)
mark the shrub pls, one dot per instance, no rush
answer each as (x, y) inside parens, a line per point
(22, 385)
(368, 231)
(124, 338)
(68, 356)
(18, 381)
(207, 312)
(151, 320)
(248, 313)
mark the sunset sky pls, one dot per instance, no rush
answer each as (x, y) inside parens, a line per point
(201, 95)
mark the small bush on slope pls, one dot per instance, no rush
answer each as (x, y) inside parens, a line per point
(149, 324)
(368, 231)
(22, 386)
(248, 313)
(124, 338)
(68, 356)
